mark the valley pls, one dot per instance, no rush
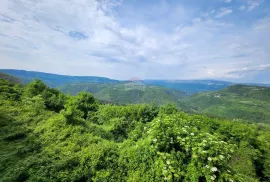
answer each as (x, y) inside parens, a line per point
(68, 134)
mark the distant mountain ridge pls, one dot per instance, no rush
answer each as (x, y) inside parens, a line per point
(10, 78)
(188, 86)
(233, 101)
(247, 102)
(126, 92)
(54, 80)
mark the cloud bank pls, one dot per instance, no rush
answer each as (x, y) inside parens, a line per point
(146, 39)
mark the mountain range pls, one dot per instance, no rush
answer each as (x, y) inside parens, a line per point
(214, 98)
(126, 92)
(247, 102)
(188, 86)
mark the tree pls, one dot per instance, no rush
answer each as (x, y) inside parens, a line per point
(54, 99)
(34, 88)
(168, 109)
(86, 103)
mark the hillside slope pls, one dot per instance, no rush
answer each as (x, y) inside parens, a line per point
(85, 141)
(10, 78)
(251, 103)
(126, 92)
(54, 80)
(190, 86)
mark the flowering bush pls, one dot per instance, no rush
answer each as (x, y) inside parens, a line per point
(175, 149)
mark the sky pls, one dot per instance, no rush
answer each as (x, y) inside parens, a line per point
(153, 39)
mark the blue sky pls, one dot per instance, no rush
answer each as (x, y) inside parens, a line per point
(166, 39)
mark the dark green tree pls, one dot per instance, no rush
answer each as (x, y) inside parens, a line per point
(35, 88)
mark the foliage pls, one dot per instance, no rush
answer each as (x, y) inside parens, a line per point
(126, 93)
(86, 141)
(10, 78)
(250, 103)
(190, 86)
(54, 99)
(53, 80)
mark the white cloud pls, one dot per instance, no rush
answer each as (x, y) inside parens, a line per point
(252, 4)
(196, 20)
(157, 41)
(246, 70)
(242, 8)
(227, 1)
(223, 12)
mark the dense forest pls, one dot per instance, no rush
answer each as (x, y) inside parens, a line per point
(46, 135)
(126, 92)
(249, 103)
(246, 102)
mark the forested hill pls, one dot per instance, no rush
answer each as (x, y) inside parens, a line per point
(190, 86)
(250, 103)
(48, 136)
(10, 78)
(54, 80)
(126, 92)
(248, 91)
(247, 102)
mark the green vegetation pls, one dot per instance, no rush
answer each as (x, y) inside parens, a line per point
(250, 103)
(190, 86)
(10, 78)
(53, 80)
(48, 136)
(126, 92)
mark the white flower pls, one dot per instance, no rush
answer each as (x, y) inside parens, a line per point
(207, 166)
(168, 162)
(209, 158)
(165, 178)
(214, 169)
(154, 140)
(212, 178)
(192, 134)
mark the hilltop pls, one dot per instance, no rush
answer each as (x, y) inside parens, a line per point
(190, 86)
(46, 135)
(126, 92)
(211, 97)
(250, 103)
(54, 80)
(10, 78)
